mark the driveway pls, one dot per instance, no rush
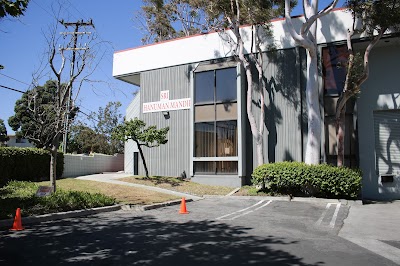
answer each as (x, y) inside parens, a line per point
(217, 231)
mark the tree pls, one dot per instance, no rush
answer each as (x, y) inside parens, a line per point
(376, 17)
(3, 133)
(307, 38)
(13, 8)
(34, 117)
(70, 66)
(137, 131)
(158, 19)
(106, 119)
(83, 139)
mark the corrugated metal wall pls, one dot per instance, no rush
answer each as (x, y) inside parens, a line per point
(283, 107)
(132, 111)
(172, 158)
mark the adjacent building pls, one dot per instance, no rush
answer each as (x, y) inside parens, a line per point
(196, 87)
(18, 142)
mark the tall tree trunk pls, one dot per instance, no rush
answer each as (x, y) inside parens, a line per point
(53, 167)
(257, 133)
(340, 132)
(144, 161)
(308, 39)
(314, 117)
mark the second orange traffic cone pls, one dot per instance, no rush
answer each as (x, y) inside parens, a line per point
(17, 225)
(183, 207)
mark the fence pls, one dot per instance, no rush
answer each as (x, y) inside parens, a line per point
(77, 165)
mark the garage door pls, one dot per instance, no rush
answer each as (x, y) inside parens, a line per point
(387, 141)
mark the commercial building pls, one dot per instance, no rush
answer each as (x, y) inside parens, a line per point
(194, 86)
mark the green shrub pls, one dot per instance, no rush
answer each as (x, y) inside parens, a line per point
(27, 164)
(300, 179)
(18, 194)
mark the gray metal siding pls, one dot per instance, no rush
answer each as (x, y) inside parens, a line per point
(283, 107)
(172, 158)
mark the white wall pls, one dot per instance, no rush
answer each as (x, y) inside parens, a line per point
(79, 164)
(202, 47)
(132, 111)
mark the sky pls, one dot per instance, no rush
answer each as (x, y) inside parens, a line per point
(22, 45)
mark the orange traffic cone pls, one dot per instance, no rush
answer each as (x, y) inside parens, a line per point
(17, 226)
(183, 207)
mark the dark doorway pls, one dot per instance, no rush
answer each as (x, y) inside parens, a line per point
(135, 163)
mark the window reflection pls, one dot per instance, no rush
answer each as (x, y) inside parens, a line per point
(204, 83)
(226, 85)
(334, 61)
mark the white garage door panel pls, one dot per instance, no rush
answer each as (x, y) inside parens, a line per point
(387, 141)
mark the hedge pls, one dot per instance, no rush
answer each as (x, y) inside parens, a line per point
(22, 194)
(300, 179)
(27, 164)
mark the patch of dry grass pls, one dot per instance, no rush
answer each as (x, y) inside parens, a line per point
(175, 184)
(122, 194)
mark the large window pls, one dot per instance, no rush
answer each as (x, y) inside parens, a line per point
(334, 64)
(215, 121)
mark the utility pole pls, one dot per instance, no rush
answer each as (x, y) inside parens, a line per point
(74, 48)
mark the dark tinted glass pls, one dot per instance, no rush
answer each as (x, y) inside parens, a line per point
(204, 139)
(227, 167)
(334, 61)
(204, 87)
(204, 168)
(226, 85)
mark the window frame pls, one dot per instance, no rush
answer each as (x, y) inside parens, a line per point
(215, 159)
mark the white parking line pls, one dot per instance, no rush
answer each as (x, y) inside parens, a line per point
(333, 221)
(334, 217)
(323, 214)
(242, 210)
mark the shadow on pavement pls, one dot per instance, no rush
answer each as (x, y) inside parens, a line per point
(141, 241)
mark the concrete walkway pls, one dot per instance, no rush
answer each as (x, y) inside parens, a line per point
(112, 178)
(375, 227)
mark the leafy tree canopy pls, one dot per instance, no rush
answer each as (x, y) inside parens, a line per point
(137, 131)
(169, 19)
(95, 137)
(376, 14)
(35, 117)
(106, 119)
(3, 133)
(13, 8)
(83, 139)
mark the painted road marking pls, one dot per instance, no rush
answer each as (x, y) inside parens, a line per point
(323, 214)
(334, 217)
(224, 217)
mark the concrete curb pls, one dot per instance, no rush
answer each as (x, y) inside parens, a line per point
(6, 224)
(153, 206)
(294, 199)
(284, 198)
(233, 191)
(314, 200)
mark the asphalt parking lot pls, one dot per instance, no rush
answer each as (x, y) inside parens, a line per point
(217, 231)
